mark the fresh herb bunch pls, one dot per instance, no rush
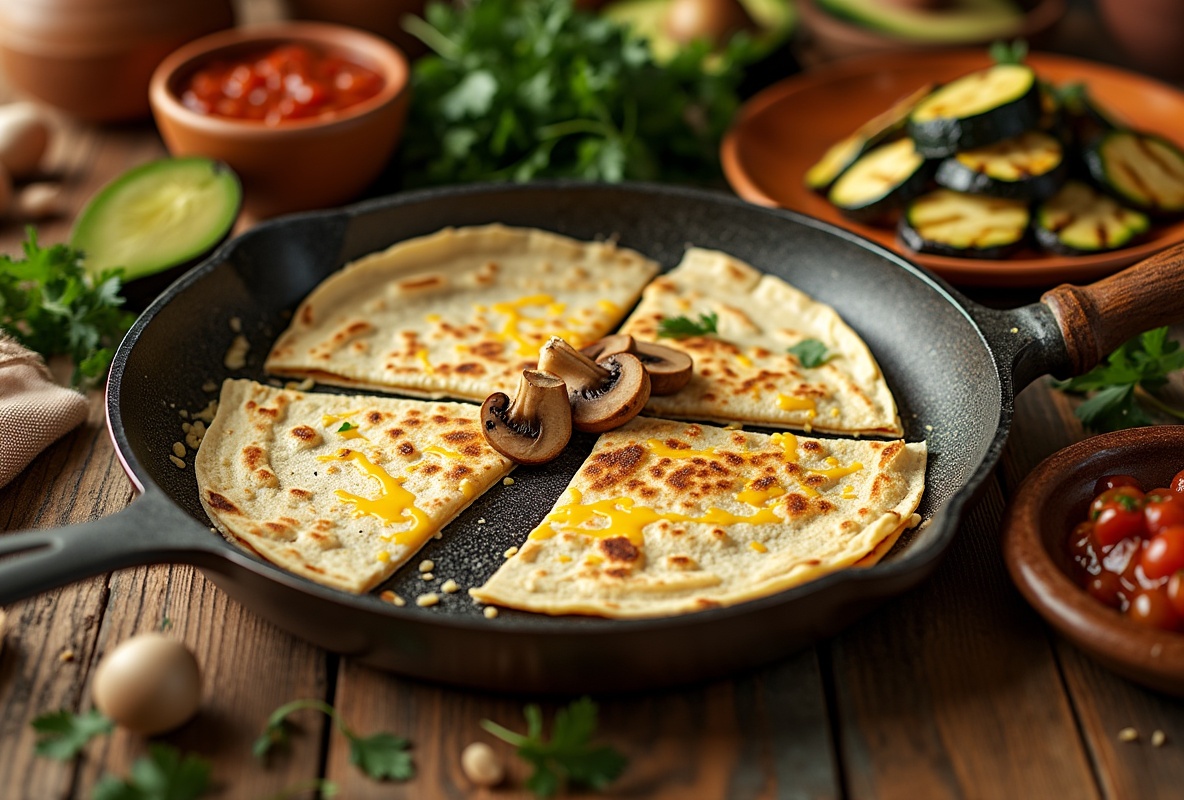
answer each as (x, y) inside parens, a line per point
(569, 758)
(522, 89)
(810, 353)
(164, 774)
(61, 735)
(1125, 381)
(50, 304)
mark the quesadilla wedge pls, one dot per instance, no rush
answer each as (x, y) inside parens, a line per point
(459, 313)
(341, 490)
(745, 371)
(668, 518)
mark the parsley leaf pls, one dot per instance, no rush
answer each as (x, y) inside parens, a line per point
(810, 353)
(50, 304)
(1002, 52)
(164, 774)
(380, 756)
(682, 327)
(523, 89)
(1126, 377)
(62, 735)
(568, 758)
(346, 426)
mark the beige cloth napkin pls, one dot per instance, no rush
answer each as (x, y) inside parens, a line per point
(34, 411)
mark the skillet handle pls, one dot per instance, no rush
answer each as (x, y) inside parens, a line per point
(149, 531)
(1096, 319)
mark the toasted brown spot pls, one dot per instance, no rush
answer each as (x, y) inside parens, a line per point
(619, 548)
(306, 315)
(221, 503)
(405, 448)
(428, 282)
(413, 422)
(470, 368)
(765, 482)
(675, 444)
(825, 506)
(811, 446)
(796, 504)
(304, 433)
(657, 472)
(458, 471)
(878, 485)
(889, 453)
(267, 478)
(615, 466)
(374, 417)
(814, 480)
(430, 469)
(681, 562)
(472, 450)
(648, 492)
(395, 433)
(703, 602)
(460, 436)
(303, 494)
(488, 349)
(681, 477)
(617, 572)
(269, 412)
(439, 419)
(254, 457)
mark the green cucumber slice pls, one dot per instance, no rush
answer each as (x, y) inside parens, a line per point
(966, 225)
(1079, 220)
(1141, 169)
(977, 109)
(1026, 167)
(157, 216)
(880, 182)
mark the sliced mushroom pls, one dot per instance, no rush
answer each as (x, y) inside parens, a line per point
(604, 394)
(535, 426)
(669, 369)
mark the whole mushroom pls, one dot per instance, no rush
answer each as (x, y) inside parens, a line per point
(605, 393)
(534, 426)
(149, 684)
(670, 370)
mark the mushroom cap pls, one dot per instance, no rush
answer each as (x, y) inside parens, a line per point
(670, 369)
(534, 426)
(596, 410)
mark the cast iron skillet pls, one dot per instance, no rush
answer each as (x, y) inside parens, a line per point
(954, 367)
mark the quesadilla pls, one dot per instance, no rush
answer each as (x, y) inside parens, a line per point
(459, 313)
(341, 490)
(747, 370)
(667, 518)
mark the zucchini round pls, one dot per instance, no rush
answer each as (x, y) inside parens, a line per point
(975, 110)
(1141, 169)
(880, 182)
(964, 225)
(1087, 119)
(875, 131)
(1030, 166)
(1078, 220)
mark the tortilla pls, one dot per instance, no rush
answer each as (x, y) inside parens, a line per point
(345, 508)
(744, 373)
(666, 518)
(459, 313)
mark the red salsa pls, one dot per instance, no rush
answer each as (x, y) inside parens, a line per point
(1129, 553)
(292, 81)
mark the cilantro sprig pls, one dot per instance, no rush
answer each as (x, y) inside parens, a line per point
(380, 756)
(346, 426)
(1014, 52)
(50, 304)
(683, 327)
(61, 735)
(164, 774)
(522, 89)
(569, 757)
(810, 353)
(1122, 385)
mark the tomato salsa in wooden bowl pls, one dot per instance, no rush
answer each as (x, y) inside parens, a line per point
(1098, 557)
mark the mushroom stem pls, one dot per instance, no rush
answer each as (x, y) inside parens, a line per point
(533, 427)
(579, 372)
(669, 369)
(534, 388)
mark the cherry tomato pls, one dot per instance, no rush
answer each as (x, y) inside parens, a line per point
(1152, 608)
(1165, 553)
(1127, 497)
(1114, 481)
(1158, 495)
(1163, 513)
(1175, 592)
(1115, 523)
(1106, 588)
(1177, 483)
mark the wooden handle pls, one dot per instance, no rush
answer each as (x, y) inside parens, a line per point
(1096, 319)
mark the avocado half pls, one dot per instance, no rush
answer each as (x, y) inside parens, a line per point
(775, 21)
(156, 221)
(962, 21)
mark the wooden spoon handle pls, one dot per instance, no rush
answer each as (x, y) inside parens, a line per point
(1096, 319)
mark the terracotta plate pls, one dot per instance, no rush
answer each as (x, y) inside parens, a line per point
(783, 130)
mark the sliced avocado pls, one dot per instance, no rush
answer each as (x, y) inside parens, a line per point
(647, 18)
(158, 216)
(962, 21)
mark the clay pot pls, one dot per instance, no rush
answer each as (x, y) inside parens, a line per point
(383, 17)
(93, 58)
(1150, 32)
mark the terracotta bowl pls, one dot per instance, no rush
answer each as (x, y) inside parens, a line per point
(833, 38)
(1050, 502)
(296, 165)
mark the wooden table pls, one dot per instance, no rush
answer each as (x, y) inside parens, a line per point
(956, 689)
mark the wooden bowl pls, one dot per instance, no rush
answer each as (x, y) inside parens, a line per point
(299, 164)
(1050, 502)
(833, 38)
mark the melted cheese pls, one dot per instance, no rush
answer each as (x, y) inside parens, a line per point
(786, 402)
(550, 324)
(394, 504)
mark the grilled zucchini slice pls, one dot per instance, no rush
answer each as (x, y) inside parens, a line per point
(1078, 220)
(1141, 169)
(1086, 118)
(876, 130)
(1030, 166)
(975, 110)
(880, 182)
(966, 225)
